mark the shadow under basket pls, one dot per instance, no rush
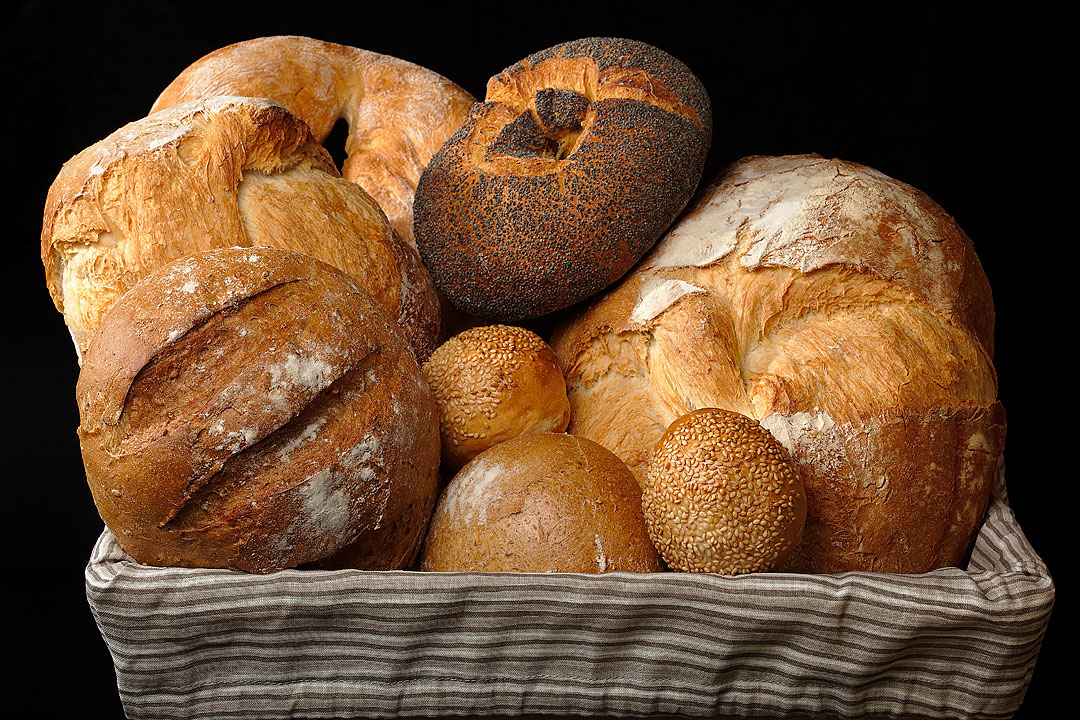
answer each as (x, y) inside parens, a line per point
(953, 643)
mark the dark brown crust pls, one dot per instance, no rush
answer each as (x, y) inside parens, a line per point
(253, 409)
(509, 233)
(934, 473)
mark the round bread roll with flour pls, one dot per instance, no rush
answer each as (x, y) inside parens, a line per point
(254, 409)
(212, 173)
(493, 383)
(549, 502)
(843, 310)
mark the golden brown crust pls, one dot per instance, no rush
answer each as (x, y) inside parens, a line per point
(255, 409)
(549, 502)
(493, 383)
(847, 313)
(721, 495)
(553, 187)
(398, 113)
(219, 172)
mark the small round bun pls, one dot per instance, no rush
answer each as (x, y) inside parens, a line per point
(720, 495)
(254, 409)
(541, 503)
(579, 158)
(493, 383)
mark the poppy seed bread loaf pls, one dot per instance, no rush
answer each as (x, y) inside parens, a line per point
(578, 159)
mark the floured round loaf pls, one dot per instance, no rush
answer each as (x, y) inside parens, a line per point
(219, 172)
(398, 113)
(579, 158)
(549, 502)
(849, 315)
(254, 409)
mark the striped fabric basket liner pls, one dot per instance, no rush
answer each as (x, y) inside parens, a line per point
(318, 644)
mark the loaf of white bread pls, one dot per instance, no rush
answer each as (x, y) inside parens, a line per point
(847, 313)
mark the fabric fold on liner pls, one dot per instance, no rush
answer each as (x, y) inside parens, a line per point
(953, 643)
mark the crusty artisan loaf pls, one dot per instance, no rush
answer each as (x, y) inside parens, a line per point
(254, 409)
(398, 113)
(217, 173)
(548, 502)
(579, 158)
(845, 311)
(492, 383)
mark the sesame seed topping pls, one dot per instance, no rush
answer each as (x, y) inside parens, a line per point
(720, 495)
(474, 377)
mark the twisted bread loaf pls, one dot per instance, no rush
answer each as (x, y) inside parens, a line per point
(398, 113)
(218, 172)
(847, 313)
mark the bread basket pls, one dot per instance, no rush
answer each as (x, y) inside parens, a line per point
(953, 643)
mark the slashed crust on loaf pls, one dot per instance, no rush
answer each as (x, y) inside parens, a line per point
(847, 313)
(254, 409)
(399, 113)
(219, 172)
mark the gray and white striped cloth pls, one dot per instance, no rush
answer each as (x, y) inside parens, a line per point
(318, 644)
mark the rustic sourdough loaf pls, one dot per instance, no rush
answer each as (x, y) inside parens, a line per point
(215, 173)
(254, 409)
(846, 312)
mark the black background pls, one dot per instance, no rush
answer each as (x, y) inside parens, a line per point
(963, 104)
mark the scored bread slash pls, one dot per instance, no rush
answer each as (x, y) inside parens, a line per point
(257, 416)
